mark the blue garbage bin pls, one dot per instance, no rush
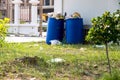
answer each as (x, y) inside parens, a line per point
(55, 30)
(74, 30)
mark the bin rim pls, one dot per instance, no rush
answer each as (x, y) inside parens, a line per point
(74, 18)
(54, 18)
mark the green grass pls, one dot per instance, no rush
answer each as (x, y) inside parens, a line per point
(32, 60)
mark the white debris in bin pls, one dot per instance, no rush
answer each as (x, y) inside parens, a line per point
(57, 15)
(76, 15)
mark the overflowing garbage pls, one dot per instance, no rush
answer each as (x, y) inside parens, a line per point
(73, 15)
(60, 16)
(56, 15)
(76, 15)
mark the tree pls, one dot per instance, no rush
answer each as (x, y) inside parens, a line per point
(105, 29)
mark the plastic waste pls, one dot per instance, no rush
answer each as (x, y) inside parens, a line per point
(55, 42)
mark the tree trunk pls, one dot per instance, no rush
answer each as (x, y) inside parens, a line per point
(106, 45)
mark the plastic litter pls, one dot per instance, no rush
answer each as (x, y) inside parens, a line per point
(57, 60)
(55, 42)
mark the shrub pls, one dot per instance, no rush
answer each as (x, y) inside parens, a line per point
(3, 30)
(115, 76)
(105, 29)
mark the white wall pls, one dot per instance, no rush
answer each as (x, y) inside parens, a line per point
(58, 6)
(113, 5)
(87, 8)
(28, 29)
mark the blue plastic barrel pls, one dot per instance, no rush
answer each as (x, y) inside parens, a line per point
(74, 30)
(55, 30)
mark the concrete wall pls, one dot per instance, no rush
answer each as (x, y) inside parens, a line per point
(87, 8)
(28, 29)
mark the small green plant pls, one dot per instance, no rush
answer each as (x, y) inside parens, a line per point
(105, 29)
(3, 30)
(115, 76)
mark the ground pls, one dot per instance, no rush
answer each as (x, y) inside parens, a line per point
(32, 61)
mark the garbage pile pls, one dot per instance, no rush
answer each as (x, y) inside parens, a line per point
(76, 15)
(60, 16)
(56, 15)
